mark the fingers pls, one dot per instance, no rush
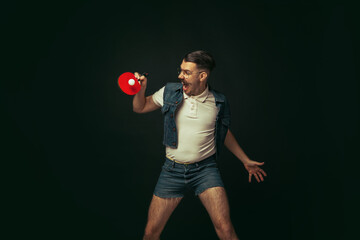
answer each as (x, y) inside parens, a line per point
(263, 172)
(260, 176)
(257, 177)
(137, 75)
(140, 76)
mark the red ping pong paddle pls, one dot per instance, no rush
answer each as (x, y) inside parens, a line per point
(129, 84)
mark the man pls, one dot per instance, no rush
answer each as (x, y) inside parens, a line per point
(196, 126)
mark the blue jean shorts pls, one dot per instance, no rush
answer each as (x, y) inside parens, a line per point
(175, 178)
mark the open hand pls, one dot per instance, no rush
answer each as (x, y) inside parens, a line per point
(253, 168)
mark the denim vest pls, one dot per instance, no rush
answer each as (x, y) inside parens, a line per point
(173, 96)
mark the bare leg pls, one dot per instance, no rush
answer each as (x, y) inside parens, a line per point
(216, 204)
(159, 212)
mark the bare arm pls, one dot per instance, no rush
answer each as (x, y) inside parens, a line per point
(234, 147)
(251, 166)
(142, 104)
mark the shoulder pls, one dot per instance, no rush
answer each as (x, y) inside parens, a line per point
(218, 95)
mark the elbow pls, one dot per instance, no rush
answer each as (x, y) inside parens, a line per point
(137, 110)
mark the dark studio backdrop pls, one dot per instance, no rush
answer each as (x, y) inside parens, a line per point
(83, 165)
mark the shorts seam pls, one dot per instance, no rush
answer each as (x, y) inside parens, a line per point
(199, 191)
(176, 196)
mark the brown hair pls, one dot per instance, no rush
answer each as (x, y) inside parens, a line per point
(203, 59)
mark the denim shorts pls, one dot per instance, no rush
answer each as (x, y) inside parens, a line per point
(175, 178)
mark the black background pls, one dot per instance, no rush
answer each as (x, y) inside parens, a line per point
(83, 165)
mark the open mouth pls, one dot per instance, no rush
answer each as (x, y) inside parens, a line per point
(185, 85)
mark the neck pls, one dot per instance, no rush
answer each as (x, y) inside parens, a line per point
(201, 89)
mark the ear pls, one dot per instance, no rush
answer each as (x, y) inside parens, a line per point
(203, 76)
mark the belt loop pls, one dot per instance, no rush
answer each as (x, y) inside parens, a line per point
(197, 165)
(173, 164)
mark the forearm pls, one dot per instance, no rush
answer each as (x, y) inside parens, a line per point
(234, 147)
(139, 101)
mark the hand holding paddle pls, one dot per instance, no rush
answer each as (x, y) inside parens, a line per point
(131, 83)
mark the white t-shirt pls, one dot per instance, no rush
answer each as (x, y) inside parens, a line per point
(195, 121)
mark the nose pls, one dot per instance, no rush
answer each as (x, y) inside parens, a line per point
(181, 76)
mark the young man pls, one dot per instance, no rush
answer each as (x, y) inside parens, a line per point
(196, 126)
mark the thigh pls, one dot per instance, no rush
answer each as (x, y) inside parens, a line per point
(160, 210)
(216, 203)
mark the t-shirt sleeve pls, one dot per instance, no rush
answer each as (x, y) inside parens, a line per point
(158, 97)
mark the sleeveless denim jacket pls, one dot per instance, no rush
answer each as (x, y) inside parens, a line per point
(173, 96)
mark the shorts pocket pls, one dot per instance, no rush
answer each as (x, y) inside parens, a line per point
(207, 166)
(168, 166)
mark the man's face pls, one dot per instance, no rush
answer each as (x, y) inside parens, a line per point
(189, 77)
